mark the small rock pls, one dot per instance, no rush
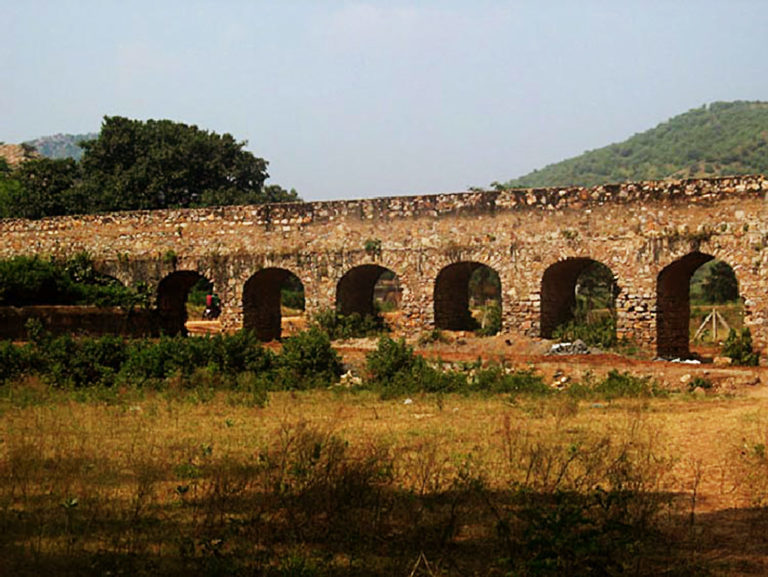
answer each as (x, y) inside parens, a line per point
(685, 379)
(408, 402)
(722, 361)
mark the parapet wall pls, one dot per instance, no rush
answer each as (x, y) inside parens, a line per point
(288, 216)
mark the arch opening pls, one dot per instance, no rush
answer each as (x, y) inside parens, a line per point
(271, 296)
(181, 298)
(578, 300)
(370, 291)
(467, 297)
(697, 304)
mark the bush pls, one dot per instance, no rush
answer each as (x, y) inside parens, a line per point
(616, 385)
(339, 326)
(28, 281)
(15, 361)
(494, 379)
(738, 346)
(308, 361)
(597, 333)
(67, 362)
(394, 369)
(431, 337)
(157, 360)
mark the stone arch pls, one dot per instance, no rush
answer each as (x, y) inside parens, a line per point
(559, 286)
(360, 287)
(262, 298)
(673, 304)
(172, 293)
(452, 295)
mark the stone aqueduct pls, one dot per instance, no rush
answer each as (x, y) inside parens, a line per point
(652, 235)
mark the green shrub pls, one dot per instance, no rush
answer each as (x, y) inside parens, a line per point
(699, 383)
(15, 360)
(616, 385)
(67, 362)
(157, 360)
(307, 361)
(390, 358)
(242, 352)
(494, 379)
(26, 281)
(600, 332)
(433, 336)
(395, 370)
(339, 326)
(738, 346)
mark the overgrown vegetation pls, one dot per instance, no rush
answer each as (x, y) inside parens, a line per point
(316, 485)
(598, 332)
(133, 165)
(517, 477)
(226, 362)
(722, 139)
(28, 281)
(339, 326)
(615, 385)
(738, 346)
(593, 316)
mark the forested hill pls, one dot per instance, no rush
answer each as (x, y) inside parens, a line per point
(722, 139)
(61, 145)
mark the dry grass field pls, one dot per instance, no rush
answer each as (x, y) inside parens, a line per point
(337, 482)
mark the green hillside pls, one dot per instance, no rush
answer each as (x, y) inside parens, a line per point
(722, 139)
(61, 145)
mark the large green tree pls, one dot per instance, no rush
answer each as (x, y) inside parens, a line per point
(10, 188)
(159, 163)
(46, 188)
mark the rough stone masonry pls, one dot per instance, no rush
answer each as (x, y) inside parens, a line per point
(652, 235)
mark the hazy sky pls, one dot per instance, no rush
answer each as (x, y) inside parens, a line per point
(353, 99)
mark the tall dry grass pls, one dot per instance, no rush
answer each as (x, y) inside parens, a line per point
(318, 483)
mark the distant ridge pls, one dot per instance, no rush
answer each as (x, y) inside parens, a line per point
(61, 145)
(721, 139)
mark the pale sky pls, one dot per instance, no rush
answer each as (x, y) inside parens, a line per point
(351, 99)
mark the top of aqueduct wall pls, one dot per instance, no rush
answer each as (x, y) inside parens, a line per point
(692, 191)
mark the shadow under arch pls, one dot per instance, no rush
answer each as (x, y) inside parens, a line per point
(362, 286)
(172, 293)
(673, 303)
(452, 294)
(560, 286)
(262, 299)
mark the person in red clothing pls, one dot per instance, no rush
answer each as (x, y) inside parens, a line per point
(212, 307)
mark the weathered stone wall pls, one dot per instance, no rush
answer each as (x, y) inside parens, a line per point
(635, 229)
(85, 320)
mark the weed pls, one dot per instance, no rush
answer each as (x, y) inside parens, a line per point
(699, 383)
(372, 246)
(615, 385)
(431, 337)
(495, 379)
(738, 346)
(394, 370)
(355, 325)
(600, 332)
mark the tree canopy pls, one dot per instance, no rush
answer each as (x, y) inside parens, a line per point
(135, 165)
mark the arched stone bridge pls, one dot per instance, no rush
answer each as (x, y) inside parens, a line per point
(652, 235)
